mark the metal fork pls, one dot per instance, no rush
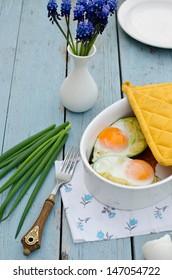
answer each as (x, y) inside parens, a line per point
(67, 168)
(32, 239)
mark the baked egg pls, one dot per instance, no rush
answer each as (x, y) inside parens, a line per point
(124, 170)
(123, 137)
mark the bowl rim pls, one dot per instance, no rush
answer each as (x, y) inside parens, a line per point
(93, 172)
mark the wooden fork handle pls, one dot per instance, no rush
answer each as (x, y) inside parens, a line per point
(32, 239)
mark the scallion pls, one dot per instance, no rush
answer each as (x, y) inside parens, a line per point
(25, 142)
(32, 157)
(27, 152)
(14, 189)
(53, 153)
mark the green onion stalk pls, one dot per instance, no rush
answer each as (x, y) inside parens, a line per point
(32, 159)
(49, 160)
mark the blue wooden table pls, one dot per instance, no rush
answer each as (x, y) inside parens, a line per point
(32, 69)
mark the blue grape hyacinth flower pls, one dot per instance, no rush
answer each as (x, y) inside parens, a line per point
(91, 18)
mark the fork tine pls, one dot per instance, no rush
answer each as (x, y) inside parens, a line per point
(74, 160)
(66, 160)
(70, 160)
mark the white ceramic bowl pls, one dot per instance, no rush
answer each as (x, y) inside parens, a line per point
(114, 194)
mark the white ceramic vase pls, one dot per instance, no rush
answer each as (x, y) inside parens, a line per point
(79, 91)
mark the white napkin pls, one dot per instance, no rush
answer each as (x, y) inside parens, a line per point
(90, 220)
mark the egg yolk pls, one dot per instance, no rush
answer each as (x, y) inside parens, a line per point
(112, 138)
(138, 169)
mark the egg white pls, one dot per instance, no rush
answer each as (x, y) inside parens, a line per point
(114, 168)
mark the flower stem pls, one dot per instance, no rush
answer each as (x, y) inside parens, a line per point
(66, 37)
(70, 35)
(91, 43)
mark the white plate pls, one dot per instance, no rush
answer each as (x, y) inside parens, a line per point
(148, 21)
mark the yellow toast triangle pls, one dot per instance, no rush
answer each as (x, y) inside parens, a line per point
(152, 105)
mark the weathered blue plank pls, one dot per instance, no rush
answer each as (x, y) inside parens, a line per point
(9, 22)
(38, 72)
(105, 69)
(142, 64)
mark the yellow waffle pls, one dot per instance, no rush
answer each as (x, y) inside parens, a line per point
(152, 105)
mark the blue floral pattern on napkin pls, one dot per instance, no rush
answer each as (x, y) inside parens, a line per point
(131, 224)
